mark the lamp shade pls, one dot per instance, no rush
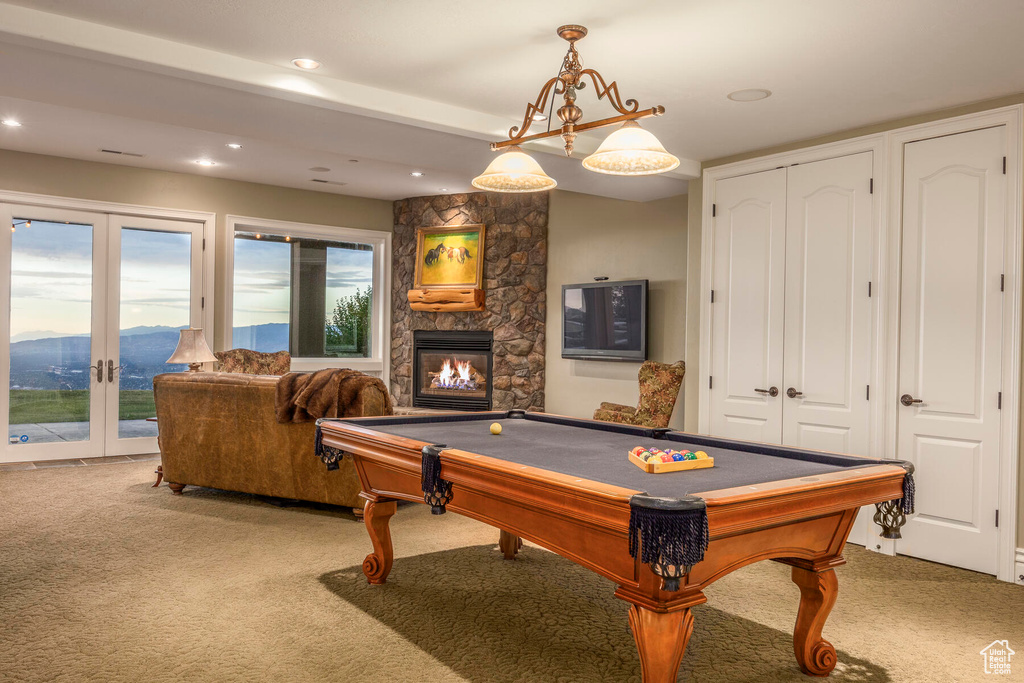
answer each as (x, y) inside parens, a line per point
(631, 150)
(192, 349)
(514, 171)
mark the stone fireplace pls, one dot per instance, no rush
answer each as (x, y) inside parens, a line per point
(515, 278)
(452, 370)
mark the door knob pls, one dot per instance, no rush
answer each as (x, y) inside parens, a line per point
(908, 400)
(110, 369)
(99, 370)
(773, 391)
(793, 393)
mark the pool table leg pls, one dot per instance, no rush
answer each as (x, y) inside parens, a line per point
(510, 544)
(376, 515)
(818, 592)
(661, 639)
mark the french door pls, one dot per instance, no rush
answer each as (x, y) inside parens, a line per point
(93, 306)
(791, 315)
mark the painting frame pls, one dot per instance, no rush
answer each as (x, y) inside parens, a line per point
(427, 235)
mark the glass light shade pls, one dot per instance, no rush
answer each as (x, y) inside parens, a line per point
(514, 171)
(192, 349)
(630, 150)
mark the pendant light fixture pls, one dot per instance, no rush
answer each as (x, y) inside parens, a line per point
(630, 150)
(514, 171)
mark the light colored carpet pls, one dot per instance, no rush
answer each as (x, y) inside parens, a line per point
(103, 578)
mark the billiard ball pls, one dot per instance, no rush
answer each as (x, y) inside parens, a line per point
(701, 455)
(495, 428)
(677, 457)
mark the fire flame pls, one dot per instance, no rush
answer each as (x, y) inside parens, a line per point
(447, 377)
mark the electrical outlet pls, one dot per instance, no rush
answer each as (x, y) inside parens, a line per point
(1019, 573)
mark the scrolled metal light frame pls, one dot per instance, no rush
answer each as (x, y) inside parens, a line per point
(570, 79)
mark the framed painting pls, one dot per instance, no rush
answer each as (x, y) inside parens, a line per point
(449, 258)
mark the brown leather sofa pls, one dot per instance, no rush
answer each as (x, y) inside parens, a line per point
(218, 430)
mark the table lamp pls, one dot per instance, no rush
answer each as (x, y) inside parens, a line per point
(192, 349)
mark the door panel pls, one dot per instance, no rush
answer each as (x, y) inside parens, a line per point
(954, 198)
(828, 319)
(54, 402)
(155, 289)
(747, 314)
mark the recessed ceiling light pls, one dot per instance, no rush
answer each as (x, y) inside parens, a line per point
(442, 189)
(416, 174)
(234, 145)
(319, 169)
(540, 117)
(206, 162)
(749, 95)
(12, 123)
(308, 64)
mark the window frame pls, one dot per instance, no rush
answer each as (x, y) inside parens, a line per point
(380, 320)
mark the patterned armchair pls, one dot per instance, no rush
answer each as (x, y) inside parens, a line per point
(659, 388)
(254, 362)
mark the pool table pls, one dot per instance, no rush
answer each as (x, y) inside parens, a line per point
(567, 485)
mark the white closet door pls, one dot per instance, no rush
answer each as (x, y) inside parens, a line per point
(828, 308)
(747, 314)
(954, 198)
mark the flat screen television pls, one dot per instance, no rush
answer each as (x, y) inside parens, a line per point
(605, 320)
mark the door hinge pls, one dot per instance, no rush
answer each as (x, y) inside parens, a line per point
(1002, 282)
(871, 186)
(869, 289)
(714, 210)
(204, 244)
(711, 381)
(202, 302)
(999, 401)
(867, 393)
(997, 519)
(712, 296)
(1004, 165)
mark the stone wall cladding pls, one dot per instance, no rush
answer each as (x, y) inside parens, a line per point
(515, 278)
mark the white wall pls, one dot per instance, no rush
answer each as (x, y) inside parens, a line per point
(590, 236)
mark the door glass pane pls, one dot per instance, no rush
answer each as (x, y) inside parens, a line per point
(51, 331)
(156, 295)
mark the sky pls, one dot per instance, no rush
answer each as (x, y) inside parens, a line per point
(263, 279)
(52, 278)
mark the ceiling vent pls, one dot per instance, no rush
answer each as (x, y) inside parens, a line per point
(326, 182)
(123, 154)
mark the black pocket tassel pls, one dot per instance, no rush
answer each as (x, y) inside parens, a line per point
(672, 537)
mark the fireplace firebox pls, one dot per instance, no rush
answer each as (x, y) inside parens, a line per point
(452, 369)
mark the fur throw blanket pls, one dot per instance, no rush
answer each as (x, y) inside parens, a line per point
(334, 392)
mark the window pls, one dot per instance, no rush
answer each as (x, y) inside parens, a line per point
(315, 291)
